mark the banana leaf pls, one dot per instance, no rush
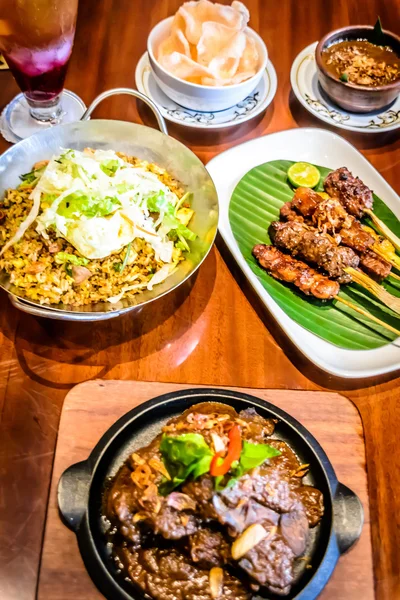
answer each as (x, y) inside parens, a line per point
(255, 203)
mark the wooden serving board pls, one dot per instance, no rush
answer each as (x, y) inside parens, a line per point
(92, 407)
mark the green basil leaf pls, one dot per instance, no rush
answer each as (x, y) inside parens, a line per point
(344, 77)
(254, 455)
(184, 456)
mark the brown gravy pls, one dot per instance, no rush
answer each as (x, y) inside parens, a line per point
(362, 63)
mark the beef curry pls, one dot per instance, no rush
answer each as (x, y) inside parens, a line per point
(213, 508)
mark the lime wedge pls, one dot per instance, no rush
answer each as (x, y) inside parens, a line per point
(303, 174)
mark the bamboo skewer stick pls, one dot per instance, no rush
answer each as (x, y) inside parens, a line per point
(384, 229)
(365, 313)
(377, 290)
(390, 257)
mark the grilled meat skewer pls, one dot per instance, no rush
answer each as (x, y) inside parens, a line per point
(317, 248)
(285, 268)
(357, 199)
(321, 249)
(351, 192)
(328, 215)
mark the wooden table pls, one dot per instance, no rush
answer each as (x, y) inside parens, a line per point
(208, 334)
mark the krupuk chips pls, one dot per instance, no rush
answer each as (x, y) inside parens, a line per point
(208, 44)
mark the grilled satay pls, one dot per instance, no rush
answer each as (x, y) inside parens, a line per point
(315, 247)
(351, 192)
(329, 216)
(285, 268)
(310, 282)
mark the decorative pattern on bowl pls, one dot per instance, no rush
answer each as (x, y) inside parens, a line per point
(306, 87)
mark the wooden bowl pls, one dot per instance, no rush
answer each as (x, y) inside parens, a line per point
(352, 97)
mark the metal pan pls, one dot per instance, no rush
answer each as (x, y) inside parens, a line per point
(82, 485)
(133, 140)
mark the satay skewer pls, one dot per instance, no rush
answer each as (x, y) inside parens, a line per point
(286, 268)
(320, 249)
(357, 199)
(328, 215)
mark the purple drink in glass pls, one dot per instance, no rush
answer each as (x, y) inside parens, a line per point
(36, 38)
(40, 73)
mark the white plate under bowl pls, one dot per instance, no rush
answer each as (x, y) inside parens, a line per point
(328, 150)
(304, 80)
(249, 108)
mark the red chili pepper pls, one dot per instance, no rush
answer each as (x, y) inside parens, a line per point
(234, 450)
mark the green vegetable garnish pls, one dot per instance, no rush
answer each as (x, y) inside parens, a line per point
(119, 267)
(184, 456)
(78, 203)
(159, 202)
(66, 258)
(110, 167)
(344, 77)
(178, 232)
(252, 456)
(377, 36)
(48, 198)
(30, 179)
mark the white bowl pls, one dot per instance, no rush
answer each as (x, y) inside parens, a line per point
(193, 95)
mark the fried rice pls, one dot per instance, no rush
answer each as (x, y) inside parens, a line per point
(32, 266)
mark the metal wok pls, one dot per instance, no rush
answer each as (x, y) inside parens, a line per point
(134, 140)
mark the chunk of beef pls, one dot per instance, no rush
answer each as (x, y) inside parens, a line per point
(173, 524)
(294, 530)
(201, 491)
(122, 505)
(245, 514)
(255, 429)
(270, 563)
(209, 549)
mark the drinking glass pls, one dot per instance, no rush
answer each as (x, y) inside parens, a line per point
(36, 38)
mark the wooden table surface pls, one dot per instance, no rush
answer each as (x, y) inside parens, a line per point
(212, 332)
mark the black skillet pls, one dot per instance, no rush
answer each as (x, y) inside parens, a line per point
(82, 485)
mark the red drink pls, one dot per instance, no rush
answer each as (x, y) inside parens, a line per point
(40, 73)
(36, 38)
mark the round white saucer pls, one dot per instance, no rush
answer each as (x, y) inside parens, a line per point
(304, 80)
(251, 106)
(16, 123)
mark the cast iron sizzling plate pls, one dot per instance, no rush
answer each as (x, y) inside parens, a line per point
(82, 485)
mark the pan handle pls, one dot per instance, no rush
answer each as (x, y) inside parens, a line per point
(48, 313)
(73, 492)
(160, 119)
(348, 517)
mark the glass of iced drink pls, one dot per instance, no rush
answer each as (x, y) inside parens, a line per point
(36, 39)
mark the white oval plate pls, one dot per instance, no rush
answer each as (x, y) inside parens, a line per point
(304, 80)
(327, 149)
(250, 107)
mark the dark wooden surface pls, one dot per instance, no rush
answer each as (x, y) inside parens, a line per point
(91, 408)
(209, 333)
